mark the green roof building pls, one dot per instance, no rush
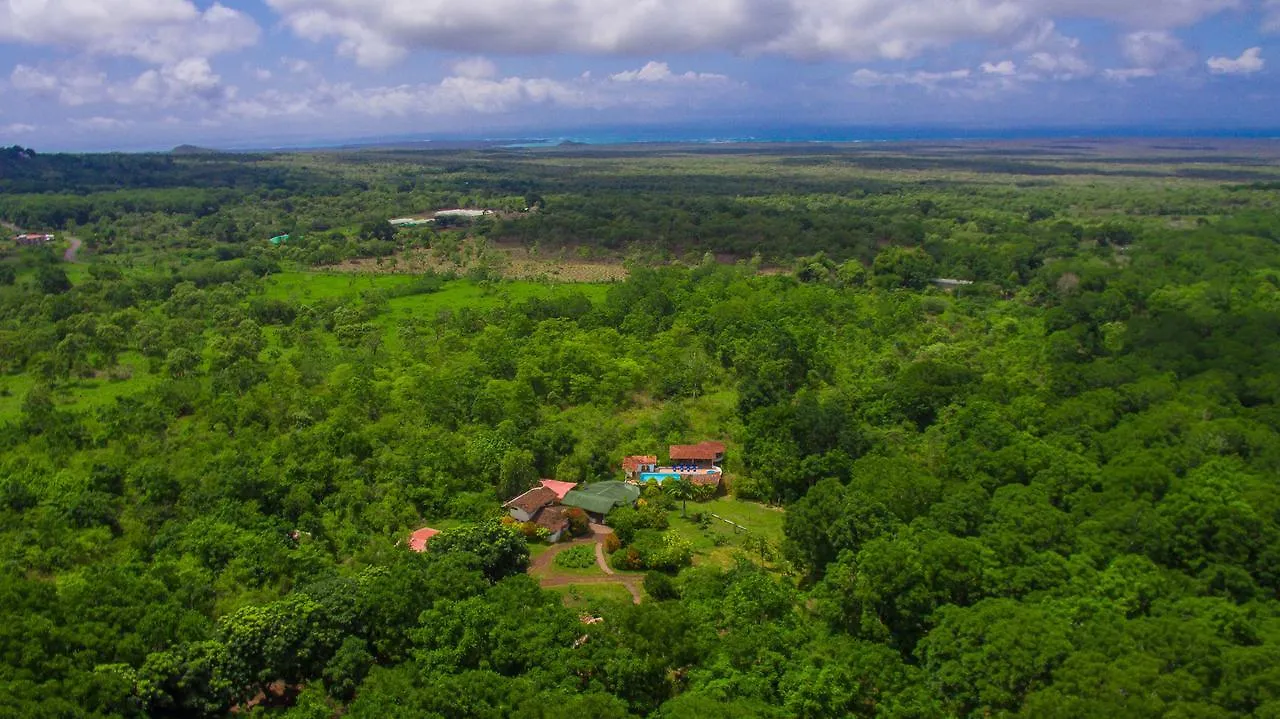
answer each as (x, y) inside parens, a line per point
(278, 239)
(602, 497)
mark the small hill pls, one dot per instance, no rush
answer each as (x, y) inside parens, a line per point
(192, 150)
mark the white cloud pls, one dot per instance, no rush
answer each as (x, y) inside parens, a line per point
(17, 128)
(69, 85)
(1271, 15)
(654, 71)
(101, 123)
(872, 78)
(1248, 63)
(1155, 50)
(262, 74)
(1150, 53)
(184, 82)
(1005, 68)
(1126, 74)
(156, 31)
(1052, 55)
(297, 66)
(381, 32)
(476, 68)
(1162, 14)
(454, 95)
(475, 88)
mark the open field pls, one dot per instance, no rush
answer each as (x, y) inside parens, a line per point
(79, 394)
(718, 543)
(591, 596)
(511, 262)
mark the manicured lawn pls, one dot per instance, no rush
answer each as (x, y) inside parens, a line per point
(757, 518)
(718, 543)
(586, 596)
(558, 571)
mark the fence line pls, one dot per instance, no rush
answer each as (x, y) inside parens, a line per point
(736, 526)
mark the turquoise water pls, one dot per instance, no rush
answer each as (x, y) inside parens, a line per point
(661, 477)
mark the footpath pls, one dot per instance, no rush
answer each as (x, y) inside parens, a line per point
(543, 568)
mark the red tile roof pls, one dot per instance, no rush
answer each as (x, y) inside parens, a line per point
(632, 464)
(533, 500)
(705, 450)
(419, 539)
(560, 488)
(717, 446)
(553, 519)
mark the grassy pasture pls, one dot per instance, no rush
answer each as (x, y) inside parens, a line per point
(718, 543)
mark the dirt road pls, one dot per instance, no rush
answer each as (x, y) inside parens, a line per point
(543, 569)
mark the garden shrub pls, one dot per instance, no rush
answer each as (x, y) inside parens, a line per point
(580, 557)
(579, 523)
(660, 587)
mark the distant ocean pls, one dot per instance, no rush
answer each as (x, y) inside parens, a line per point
(806, 134)
(704, 135)
(876, 134)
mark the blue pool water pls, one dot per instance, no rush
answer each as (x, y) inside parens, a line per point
(657, 476)
(661, 477)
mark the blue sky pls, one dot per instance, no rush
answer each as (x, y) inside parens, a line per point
(149, 74)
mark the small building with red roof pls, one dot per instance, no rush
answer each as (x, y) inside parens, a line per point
(634, 465)
(418, 540)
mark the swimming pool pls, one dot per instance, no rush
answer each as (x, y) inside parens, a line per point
(663, 476)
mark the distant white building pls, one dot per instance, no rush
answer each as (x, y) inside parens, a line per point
(32, 239)
(463, 213)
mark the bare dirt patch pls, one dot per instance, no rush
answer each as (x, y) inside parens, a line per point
(512, 262)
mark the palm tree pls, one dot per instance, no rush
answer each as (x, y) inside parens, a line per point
(682, 489)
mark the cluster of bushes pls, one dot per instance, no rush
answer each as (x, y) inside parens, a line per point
(661, 552)
(626, 521)
(580, 557)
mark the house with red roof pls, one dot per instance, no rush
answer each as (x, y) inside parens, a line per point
(555, 520)
(634, 465)
(418, 540)
(696, 463)
(705, 455)
(526, 506)
(541, 506)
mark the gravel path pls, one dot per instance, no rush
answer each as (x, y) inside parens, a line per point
(542, 569)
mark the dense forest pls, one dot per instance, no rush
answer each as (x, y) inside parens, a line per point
(1048, 493)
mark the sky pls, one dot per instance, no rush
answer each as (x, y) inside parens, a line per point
(150, 74)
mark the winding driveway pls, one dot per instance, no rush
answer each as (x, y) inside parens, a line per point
(70, 254)
(542, 569)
